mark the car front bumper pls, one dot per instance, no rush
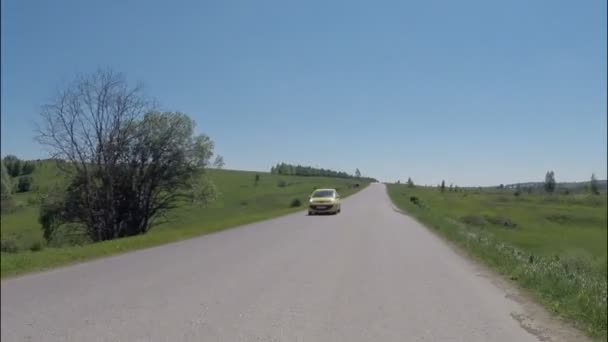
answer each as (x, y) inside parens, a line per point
(322, 208)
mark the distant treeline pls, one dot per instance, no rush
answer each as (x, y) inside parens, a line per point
(299, 170)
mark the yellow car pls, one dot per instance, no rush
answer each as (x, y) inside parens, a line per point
(324, 201)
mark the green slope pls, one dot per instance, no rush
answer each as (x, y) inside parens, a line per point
(555, 246)
(240, 202)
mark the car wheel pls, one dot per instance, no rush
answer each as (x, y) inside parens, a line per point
(310, 213)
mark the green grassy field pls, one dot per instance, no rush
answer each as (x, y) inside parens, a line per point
(239, 202)
(553, 245)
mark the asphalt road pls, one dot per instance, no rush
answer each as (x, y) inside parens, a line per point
(368, 274)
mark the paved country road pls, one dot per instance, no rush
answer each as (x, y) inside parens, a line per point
(368, 274)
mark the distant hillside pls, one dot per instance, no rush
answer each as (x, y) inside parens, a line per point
(573, 186)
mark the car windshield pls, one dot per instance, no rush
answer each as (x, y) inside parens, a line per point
(323, 193)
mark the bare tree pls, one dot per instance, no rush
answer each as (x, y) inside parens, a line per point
(128, 163)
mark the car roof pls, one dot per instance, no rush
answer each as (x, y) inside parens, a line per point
(324, 190)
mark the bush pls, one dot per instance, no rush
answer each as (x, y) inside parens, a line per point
(28, 168)
(25, 184)
(36, 246)
(50, 214)
(296, 203)
(13, 165)
(69, 234)
(473, 220)
(7, 205)
(282, 183)
(8, 246)
(501, 221)
(34, 200)
(559, 218)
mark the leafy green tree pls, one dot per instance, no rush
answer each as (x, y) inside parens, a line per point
(442, 186)
(410, 182)
(357, 173)
(256, 179)
(550, 183)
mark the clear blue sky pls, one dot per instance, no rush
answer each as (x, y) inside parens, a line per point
(473, 92)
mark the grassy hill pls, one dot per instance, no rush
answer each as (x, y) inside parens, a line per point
(554, 245)
(579, 187)
(240, 201)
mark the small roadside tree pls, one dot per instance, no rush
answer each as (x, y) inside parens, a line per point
(357, 173)
(442, 186)
(517, 190)
(256, 179)
(410, 182)
(218, 163)
(593, 186)
(550, 183)
(128, 163)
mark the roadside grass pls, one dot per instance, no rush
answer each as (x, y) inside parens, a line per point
(240, 201)
(554, 246)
